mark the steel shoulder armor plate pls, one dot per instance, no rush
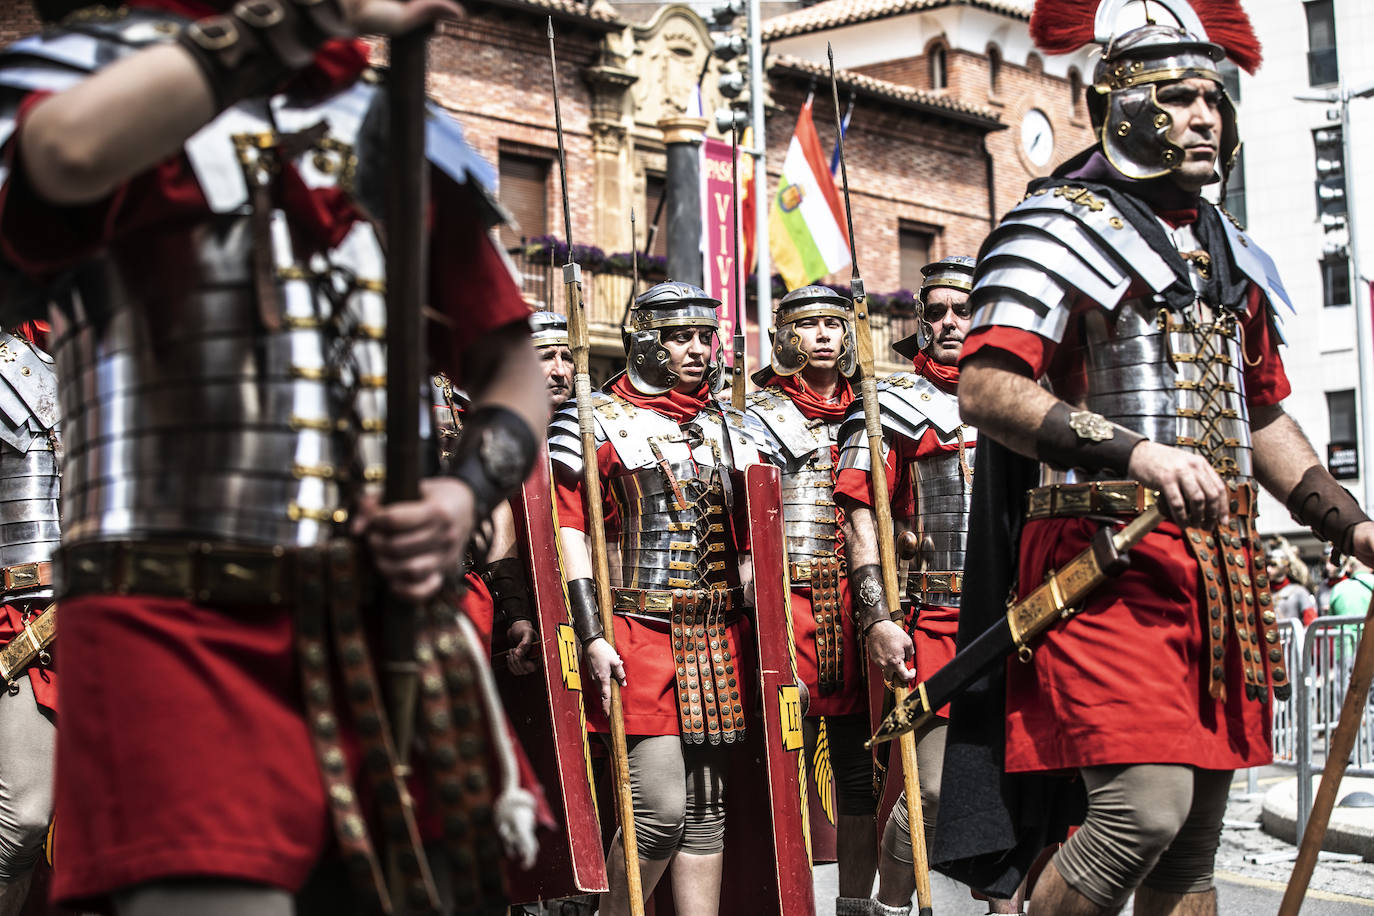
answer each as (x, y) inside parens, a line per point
(30, 480)
(240, 397)
(675, 499)
(909, 404)
(802, 448)
(1176, 377)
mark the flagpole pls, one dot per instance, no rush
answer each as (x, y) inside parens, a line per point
(763, 276)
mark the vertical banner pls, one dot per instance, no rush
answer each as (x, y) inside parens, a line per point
(720, 266)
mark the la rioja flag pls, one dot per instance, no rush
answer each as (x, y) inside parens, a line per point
(806, 221)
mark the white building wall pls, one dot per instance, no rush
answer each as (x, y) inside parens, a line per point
(1281, 205)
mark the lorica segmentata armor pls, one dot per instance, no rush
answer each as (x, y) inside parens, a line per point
(237, 392)
(1174, 375)
(675, 501)
(803, 449)
(30, 527)
(911, 406)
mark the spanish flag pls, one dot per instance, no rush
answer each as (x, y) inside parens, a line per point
(805, 222)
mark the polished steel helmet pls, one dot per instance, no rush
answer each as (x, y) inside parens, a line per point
(953, 272)
(811, 302)
(668, 305)
(1130, 124)
(548, 329)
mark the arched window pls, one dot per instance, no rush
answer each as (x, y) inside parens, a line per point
(994, 70)
(939, 76)
(1075, 93)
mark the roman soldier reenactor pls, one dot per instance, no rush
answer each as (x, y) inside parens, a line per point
(29, 534)
(671, 461)
(1125, 340)
(806, 393)
(930, 476)
(191, 185)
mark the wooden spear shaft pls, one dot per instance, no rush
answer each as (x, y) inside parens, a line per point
(579, 338)
(882, 511)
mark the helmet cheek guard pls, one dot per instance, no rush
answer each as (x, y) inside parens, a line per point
(647, 364)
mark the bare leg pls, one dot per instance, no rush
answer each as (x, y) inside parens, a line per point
(1150, 902)
(205, 897)
(616, 901)
(1054, 897)
(896, 879)
(857, 847)
(696, 883)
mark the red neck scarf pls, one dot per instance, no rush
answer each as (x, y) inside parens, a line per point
(811, 404)
(946, 378)
(673, 404)
(337, 63)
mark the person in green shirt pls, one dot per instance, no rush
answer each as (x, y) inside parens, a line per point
(1350, 596)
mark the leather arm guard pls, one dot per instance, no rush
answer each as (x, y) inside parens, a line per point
(1327, 507)
(1070, 438)
(870, 604)
(586, 616)
(494, 455)
(509, 590)
(249, 50)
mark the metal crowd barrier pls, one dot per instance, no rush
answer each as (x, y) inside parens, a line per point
(1319, 659)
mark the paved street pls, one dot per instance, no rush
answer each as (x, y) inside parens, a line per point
(1244, 888)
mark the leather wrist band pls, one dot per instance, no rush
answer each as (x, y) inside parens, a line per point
(494, 455)
(586, 616)
(509, 591)
(253, 47)
(1326, 507)
(870, 604)
(1070, 438)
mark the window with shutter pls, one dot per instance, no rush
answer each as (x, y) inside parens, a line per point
(654, 189)
(913, 246)
(525, 193)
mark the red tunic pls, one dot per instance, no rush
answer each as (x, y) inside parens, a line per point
(935, 626)
(650, 692)
(182, 749)
(1123, 681)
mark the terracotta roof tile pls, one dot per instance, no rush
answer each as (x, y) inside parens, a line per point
(834, 13)
(934, 102)
(595, 14)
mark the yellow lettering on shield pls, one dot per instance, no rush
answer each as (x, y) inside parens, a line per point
(567, 657)
(790, 717)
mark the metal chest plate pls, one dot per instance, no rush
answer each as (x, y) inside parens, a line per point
(675, 500)
(805, 452)
(1174, 378)
(222, 417)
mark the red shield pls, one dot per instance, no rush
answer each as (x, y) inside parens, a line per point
(767, 838)
(545, 709)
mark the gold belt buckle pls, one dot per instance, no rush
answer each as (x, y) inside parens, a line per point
(23, 576)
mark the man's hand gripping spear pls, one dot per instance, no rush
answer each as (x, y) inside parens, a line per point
(580, 341)
(882, 508)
